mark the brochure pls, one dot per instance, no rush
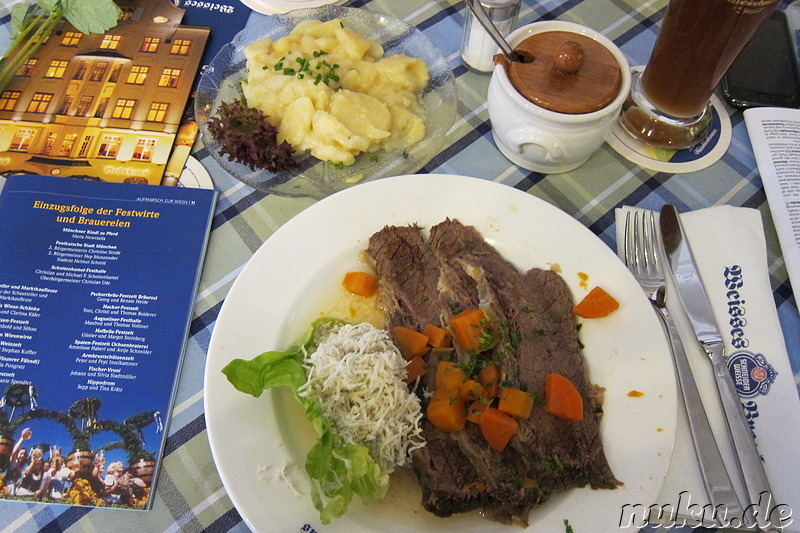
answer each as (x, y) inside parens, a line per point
(775, 136)
(225, 18)
(108, 106)
(97, 289)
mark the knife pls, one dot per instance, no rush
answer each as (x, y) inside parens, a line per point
(698, 308)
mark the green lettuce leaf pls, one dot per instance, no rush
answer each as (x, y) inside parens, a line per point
(338, 471)
(88, 16)
(20, 14)
(49, 5)
(270, 369)
(91, 16)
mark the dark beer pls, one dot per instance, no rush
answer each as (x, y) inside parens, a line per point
(698, 41)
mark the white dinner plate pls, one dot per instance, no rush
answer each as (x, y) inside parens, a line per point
(273, 7)
(259, 444)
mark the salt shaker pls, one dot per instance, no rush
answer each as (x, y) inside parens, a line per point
(477, 47)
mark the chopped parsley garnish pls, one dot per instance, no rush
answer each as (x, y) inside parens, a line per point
(326, 75)
(512, 341)
(487, 339)
(471, 367)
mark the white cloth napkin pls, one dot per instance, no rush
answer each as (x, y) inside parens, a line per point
(730, 250)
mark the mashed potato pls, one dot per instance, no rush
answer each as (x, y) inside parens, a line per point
(330, 91)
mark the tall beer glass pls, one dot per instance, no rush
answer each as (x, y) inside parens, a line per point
(698, 41)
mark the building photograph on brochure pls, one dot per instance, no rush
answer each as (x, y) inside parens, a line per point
(104, 105)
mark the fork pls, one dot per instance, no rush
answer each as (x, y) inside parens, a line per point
(644, 258)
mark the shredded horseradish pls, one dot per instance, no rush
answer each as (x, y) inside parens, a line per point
(356, 375)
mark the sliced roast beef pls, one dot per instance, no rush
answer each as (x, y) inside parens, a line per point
(578, 445)
(423, 282)
(458, 472)
(408, 274)
(535, 308)
(450, 484)
(535, 311)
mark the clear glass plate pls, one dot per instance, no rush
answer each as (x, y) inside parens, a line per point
(221, 82)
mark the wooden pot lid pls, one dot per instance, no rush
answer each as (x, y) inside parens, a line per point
(565, 72)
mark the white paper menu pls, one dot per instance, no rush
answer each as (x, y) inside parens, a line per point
(775, 136)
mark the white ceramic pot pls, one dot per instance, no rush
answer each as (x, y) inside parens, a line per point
(542, 140)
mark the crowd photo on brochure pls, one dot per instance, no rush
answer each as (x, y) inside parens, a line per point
(73, 457)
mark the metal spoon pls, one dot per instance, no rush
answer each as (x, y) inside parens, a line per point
(480, 13)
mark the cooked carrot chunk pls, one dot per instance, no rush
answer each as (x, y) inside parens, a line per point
(561, 398)
(475, 409)
(449, 377)
(415, 368)
(489, 377)
(515, 402)
(360, 283)
(437, 337)
(471, 390)
(473, 330)
(497, 428)
(447, 411)
(598, 303)
(410, 341)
